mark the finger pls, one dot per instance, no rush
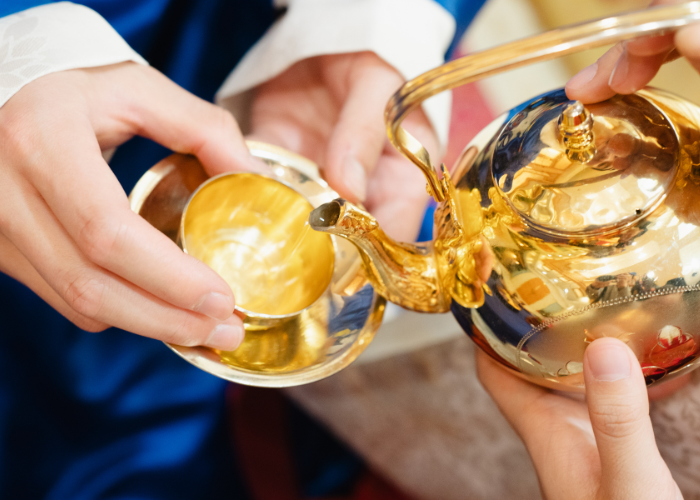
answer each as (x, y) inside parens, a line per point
(595, 82)
(591, 83)
(687, 42)
(620, 70)
(551, 426)
(619, 410)
(96, 214)
(155, 107)
(517, 399)
(632, 72)
(99, 294)
(359, 136)
(283, 112)
(650, 45)
(15, 265)
(399, 213)
(396, 194)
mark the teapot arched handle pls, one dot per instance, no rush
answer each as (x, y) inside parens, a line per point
(549, 45)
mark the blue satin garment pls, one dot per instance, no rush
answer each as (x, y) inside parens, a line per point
(113, 415)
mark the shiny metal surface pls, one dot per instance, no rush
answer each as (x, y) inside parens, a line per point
(556, 226)
(296, 332)
(402, 273)
(543, 47)
(630, 172)
(551, 295)
(576, 132)
(548, 286)
(252, 231)
(559, 224)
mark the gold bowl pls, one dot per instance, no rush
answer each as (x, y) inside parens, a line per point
(308, 308)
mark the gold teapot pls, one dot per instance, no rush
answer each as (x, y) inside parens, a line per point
(559, 223)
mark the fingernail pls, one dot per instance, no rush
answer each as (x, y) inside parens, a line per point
(619, 73)
(216, 306)
(355, 177)
(608, 361)
(583, 77)
(225, 337)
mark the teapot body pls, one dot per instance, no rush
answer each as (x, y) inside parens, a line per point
(579, 251)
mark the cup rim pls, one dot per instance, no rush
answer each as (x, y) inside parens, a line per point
(246, 312)
(181, 171)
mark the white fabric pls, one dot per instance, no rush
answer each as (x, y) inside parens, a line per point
(411, 35)
(56, 37)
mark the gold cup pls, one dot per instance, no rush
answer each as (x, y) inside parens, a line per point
(252, 231)
(307, 306)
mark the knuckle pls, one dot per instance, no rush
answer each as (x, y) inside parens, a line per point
(224, 120)
(618, 420)
(217, 124)
(85, 294)
(187, 333)
(222, 124)
(17, 138)
(99, 238)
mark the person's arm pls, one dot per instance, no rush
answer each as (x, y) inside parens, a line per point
(71, 88)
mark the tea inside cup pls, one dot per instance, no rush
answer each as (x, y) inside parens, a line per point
(252, 231)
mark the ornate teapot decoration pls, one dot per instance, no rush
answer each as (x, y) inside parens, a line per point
(559, 223)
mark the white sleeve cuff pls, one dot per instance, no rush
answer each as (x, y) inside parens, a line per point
(56, 37)
(411, 35)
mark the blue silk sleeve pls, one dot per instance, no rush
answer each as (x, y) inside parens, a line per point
(8, 7)
(117, 13)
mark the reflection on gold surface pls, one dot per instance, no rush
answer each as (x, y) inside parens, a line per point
(251, 230)
(334, 311)
(552, 237)
(287, 346)
(403, 273)
(634, 163)
(590, 222)
(574, 250)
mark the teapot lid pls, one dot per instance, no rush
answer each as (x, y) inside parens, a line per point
(574, 170)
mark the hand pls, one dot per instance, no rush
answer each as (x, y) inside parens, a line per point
(603, 449)
(66, 229)
(630, 65)
(330, 109)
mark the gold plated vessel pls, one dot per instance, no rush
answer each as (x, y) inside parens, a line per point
(308, 308)
(560, 223)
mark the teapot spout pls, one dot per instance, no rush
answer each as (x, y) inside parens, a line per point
(403, 273)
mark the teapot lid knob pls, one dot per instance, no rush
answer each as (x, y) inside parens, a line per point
(572, 170)
(576, 129)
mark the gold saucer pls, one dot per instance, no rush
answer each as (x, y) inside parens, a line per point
(321, 336)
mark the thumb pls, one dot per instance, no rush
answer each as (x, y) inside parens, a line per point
(618, 405)
(359, 137)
